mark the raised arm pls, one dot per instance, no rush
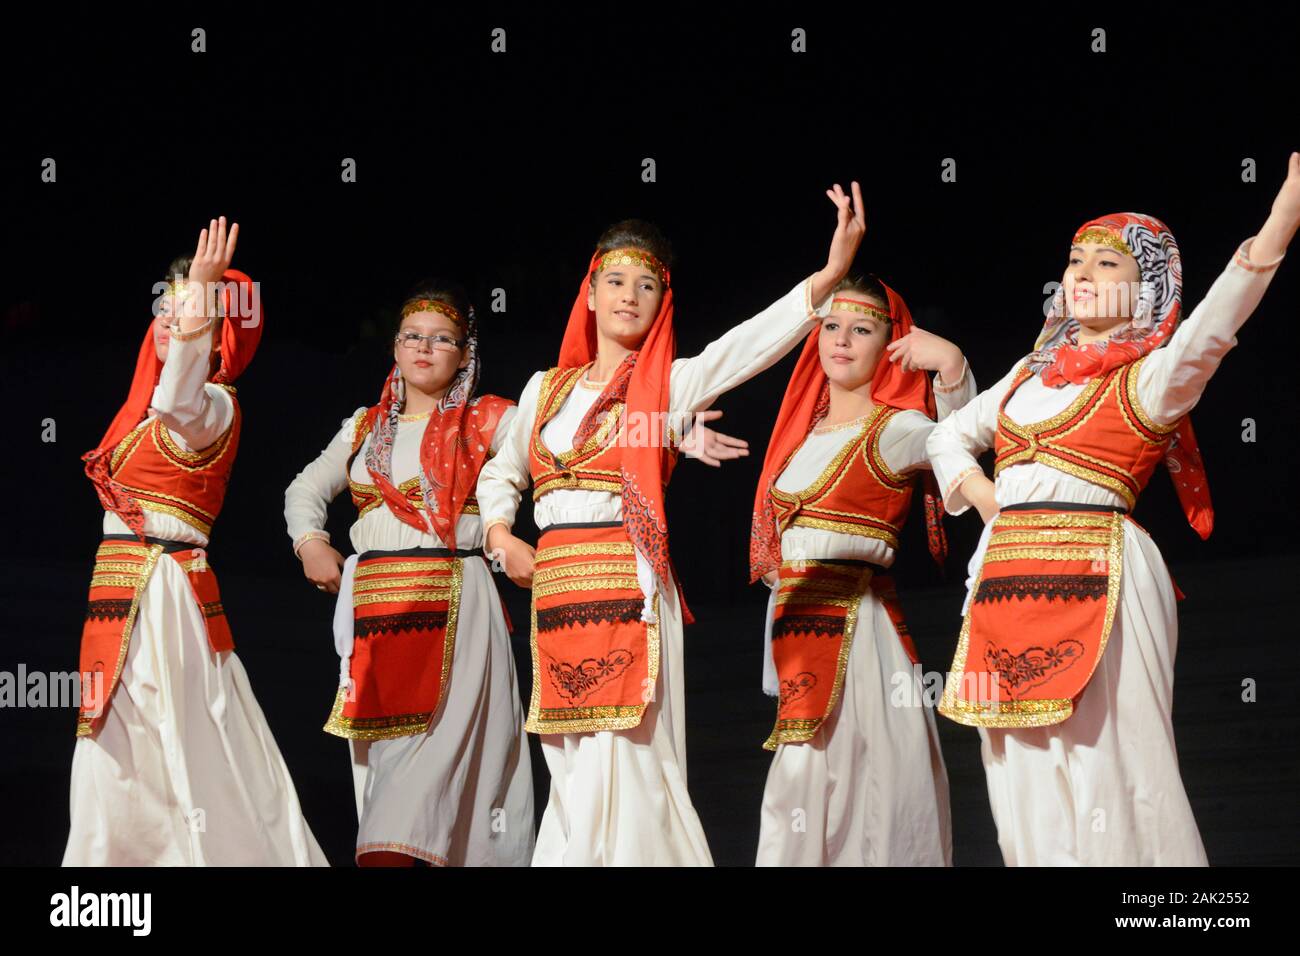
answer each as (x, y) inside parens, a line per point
(182, 400)
(903, 444)
(760, 342)
(1173, 378)
(955, 442)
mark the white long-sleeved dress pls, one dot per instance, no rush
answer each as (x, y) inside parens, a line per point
(619, 797)
(461, 793)
(185, 770)
(870, 789)
(1102, 788)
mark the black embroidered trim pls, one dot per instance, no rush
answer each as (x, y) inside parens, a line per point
(576, 682)
(621, 610)
(820, 625)
(108, 609)
(396, 623)
(797, 687)
(1033, 665)
(1085, 587)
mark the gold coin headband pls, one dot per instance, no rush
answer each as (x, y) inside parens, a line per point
(857, 305)
(433, 305)
(1104, 237)
(633, 257)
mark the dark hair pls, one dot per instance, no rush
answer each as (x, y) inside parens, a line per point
(180, 267)
(864, 284)
(637, 234)
(444, 290)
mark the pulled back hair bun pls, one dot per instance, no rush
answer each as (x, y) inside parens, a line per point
(444, 290)
(864, 284)
(637, 234)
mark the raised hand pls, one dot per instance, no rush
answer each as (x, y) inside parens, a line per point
(215, 250)
(710, 447)
(919, 349)
(850, 227)
(1280, 228)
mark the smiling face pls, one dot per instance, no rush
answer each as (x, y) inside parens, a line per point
(851, 342)
(1101, 286)
(625, 298)
(162, 326)
(431, 370)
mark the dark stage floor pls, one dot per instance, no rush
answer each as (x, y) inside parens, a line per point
(1238, 759)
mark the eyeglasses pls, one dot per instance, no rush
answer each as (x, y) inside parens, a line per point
(438, 342)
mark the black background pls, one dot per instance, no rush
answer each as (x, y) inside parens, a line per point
(501, 171)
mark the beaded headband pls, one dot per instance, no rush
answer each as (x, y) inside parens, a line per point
(633, 257)
(857, 305)
(434, 305)
(1104, 237)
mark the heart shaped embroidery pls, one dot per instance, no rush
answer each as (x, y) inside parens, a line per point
(1019, 672)
(577, 682)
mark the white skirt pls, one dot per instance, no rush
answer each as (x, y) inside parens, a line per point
(461, 793)
(619, 797)
(184, 770)
(1102, 788)
(870, 789)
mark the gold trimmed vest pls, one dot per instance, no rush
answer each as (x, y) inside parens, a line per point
(163, 478)
(1104, 437)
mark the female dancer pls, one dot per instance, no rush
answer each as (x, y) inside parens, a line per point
(857, 780)
(1065, 660)
(607, 616)
(428, 699)
(175, 764)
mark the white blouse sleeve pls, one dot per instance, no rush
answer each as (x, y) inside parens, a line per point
(307, 499)
(949, 398)
(505, 475)
(745, 350)
(902, 444)
(192, 408)
(503, 426)
(967, 432)
(1173, 377)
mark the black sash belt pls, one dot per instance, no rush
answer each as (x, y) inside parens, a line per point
(580, 524)
(1062, 506)
(169, 547)
(424, 553)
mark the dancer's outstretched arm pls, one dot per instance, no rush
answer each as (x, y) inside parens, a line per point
(1172, 379)
(760, 342)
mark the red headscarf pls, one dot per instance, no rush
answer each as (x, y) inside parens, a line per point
(457, 440)
(642, 383)
(806, 401)
(1059, 359)
(241, 331)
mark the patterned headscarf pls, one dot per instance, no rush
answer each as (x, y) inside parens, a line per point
(1058, 358)
(456, 441)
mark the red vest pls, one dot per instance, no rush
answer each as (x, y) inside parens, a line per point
(1104, 437)
(596, 466)
(366, 496)
(855, 494)
(189, 485)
